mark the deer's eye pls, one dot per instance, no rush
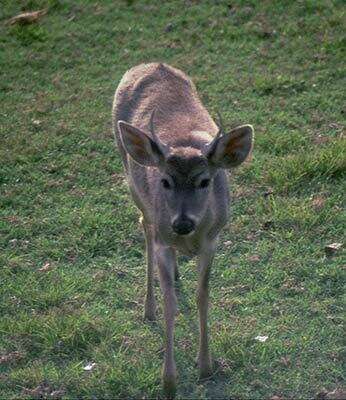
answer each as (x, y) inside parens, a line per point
(166, 184)
(204, 183)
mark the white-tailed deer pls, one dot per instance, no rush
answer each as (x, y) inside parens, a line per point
(175, 158)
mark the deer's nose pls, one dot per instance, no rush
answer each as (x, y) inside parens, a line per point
(183, 225)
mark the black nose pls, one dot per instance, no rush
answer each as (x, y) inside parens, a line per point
(183, 226)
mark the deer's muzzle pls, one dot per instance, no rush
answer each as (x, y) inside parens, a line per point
(183, 225)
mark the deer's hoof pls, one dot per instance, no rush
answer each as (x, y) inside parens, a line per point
(149, 315)
(169, 380)
(205, 372)
(169, 386)
(205, 368)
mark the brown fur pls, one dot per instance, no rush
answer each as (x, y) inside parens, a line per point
(184, 126)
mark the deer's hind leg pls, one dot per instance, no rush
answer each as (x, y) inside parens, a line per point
(150, 303)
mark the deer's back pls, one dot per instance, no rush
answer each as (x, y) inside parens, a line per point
(173, 95)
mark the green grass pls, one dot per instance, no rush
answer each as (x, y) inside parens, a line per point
(63, 200)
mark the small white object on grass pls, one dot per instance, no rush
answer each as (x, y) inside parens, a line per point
(261, 338)
(89, 366)
(332, 248)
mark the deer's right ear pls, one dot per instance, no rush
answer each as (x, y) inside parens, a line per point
(139, 145)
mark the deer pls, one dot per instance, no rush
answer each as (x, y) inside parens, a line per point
(176, 160)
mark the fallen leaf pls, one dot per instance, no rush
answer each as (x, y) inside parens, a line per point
(285, 361)
(254, 258)
(13, 242)
(319, 57)
(25, 243)
(320, 139)
(173, 45)
(36, 123)
(89, 367)
(27, 17)
(57, 394)
(39, 392)
(10, 357)
(77, 192)
(223, 363)
(318, 202)
(56, 80)
(290, 286)
(12, 219)
(253, 235)
(332, 248)
(261, 338)
(35, 393)
(335, 125)
(47, 267)
(247, 11)
(240, 289)
(118, 178)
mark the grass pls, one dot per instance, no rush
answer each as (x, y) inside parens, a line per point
(65, 205)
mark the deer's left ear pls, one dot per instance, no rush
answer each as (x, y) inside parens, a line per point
(231, 149)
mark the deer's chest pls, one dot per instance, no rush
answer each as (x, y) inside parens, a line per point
(189, 245)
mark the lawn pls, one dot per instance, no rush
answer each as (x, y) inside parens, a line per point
(72, 269)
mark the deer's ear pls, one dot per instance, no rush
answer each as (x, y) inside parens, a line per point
(139, 145)
(231, 149)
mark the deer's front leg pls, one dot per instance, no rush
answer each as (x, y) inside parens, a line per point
(150, 304)
(204, 265)
(166, 265)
